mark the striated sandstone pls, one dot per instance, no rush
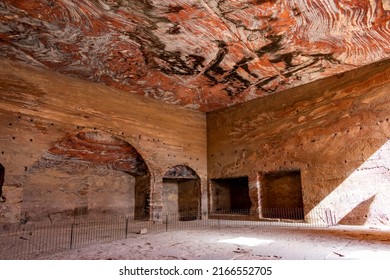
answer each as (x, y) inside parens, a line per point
(204, 54)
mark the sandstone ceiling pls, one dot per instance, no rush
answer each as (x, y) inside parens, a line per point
(201, 54)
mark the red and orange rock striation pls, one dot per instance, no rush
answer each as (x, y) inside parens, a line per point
(98, 148)
(200, 54)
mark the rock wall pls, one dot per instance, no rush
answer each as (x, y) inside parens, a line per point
(10, 204)
(79, 147)
(77, 190)
(335, 132)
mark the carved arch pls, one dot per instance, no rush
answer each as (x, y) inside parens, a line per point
(90, 155)
(182, 192)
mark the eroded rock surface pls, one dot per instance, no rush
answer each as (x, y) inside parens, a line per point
(99, 148)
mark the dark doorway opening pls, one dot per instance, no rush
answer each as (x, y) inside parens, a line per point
(281, 195)
(181, 193)
(230, 195)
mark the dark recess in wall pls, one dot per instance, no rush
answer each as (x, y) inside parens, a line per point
(281, 195)
(230, 195)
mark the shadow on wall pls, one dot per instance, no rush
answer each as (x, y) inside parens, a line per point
(359, 215)
(362, 198)
(88, 173)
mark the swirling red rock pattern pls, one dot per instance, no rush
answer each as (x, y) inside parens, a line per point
(98, 148)
(202, 54)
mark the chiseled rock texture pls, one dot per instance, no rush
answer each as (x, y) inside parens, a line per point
(10, 204)
(101, 149)
(202, 54)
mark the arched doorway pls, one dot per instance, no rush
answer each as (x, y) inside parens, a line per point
(88, 173)
(181, 193)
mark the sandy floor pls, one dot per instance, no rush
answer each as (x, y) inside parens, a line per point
(251, 243)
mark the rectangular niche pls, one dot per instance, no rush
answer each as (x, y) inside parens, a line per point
(230, 195)
(281, 195)
(181, 198)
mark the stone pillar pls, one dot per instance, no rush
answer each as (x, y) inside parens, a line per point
(254, 193)
(156, 197)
